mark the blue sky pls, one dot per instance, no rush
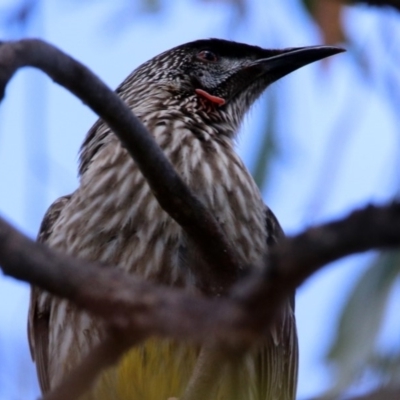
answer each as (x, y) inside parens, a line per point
(324, 110)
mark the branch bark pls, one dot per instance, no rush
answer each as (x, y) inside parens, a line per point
(295, 259)
(131, 304)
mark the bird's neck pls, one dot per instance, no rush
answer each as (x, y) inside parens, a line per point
(150, 100)
(204, 159)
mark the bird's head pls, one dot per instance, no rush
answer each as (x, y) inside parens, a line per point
(220, 77)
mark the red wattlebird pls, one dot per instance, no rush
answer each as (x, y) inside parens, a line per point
(192, 99)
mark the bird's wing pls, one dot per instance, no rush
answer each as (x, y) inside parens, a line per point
(274, 229)
(278, 361)
(39, 308)
(274, 235)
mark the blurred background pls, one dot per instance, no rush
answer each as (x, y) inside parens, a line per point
(321, 142)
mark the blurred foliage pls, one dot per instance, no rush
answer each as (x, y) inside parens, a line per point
(152, 5)
(268, 149)
(327, 15)
(325, 12)
(378, 3)
(354, 351)
(17, 15)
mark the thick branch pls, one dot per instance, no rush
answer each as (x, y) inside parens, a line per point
(297, 258)
(129, 303)
(125, 301)
(132, 305)
(171, 192)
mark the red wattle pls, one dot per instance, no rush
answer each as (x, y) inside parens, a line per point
(214, 99)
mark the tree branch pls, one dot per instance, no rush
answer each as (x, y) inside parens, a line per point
(388, 393)
(130, 303)
(295, 259)
(124, 300)
(171, 192)
(378, 3)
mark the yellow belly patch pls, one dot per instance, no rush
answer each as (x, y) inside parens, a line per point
(158, 370)
(161, 369)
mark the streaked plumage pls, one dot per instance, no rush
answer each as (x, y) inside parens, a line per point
(113, 218)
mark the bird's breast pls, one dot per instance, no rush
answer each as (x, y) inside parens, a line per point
(113, 217)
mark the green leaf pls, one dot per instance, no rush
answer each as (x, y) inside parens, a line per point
(361, 319)
(268, 146)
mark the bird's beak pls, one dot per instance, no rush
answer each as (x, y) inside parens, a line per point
(265, 70)
(288, 60)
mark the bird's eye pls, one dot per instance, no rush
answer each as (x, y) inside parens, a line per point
(207, 55)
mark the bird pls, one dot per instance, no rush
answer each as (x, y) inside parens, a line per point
(192, 100)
